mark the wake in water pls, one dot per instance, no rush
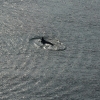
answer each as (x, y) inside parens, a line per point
(51, 44)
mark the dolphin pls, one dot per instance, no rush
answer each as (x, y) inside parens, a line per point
(43, 41)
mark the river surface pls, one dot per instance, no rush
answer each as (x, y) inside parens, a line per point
(30, 73)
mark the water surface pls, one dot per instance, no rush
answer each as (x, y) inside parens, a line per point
(28, 73)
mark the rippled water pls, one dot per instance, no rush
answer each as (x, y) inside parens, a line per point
(28, 73)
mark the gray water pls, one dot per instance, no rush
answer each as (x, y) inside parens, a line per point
(29, 73)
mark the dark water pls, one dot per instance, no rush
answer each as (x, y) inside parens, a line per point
(28, 73)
